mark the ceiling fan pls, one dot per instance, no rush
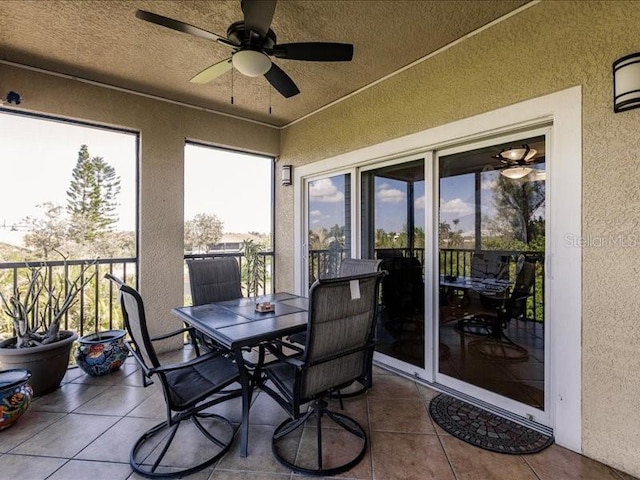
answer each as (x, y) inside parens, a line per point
(516, 162)
(253, 42)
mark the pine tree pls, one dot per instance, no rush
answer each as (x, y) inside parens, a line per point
(91, 197)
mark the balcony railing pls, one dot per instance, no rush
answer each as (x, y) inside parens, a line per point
(453, 262)
(97, 307)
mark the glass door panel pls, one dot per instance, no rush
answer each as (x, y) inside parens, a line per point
(491, 244)
(393, 221)
(328, 225)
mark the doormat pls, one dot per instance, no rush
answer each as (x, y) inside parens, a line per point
(484, 429)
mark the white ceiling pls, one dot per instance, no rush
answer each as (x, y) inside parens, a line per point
(103, 41)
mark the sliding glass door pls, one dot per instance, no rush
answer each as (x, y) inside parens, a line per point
(491, 250)
(392, 230)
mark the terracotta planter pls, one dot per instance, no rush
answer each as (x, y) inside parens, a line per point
(15, 395)
(101, 353)
(47, 363)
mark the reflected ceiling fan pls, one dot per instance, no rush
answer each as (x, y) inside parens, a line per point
(516, 162)
(253, 42)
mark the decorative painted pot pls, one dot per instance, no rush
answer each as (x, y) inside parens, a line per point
(15, 395)
(101, 353)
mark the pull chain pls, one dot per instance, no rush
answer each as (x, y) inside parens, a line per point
(270, 99)
(232, 72)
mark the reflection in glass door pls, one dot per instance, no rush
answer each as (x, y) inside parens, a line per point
(328, 225)
(393, 221)
(491, 269)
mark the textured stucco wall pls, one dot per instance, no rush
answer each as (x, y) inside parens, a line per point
(548, 47)
(163, 128)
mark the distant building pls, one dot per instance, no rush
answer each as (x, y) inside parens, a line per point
(232, 242)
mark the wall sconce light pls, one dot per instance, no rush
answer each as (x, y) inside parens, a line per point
(286, 175)
(626, 83)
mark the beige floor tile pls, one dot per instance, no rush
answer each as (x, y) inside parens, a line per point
(115, 444)
(203, 474)
(219, 474)
(471, 462)
(557, 462)
(67, 436)
(67, 398)
(408, 457)
(260, 458)
(28, 425)
(27, 467)
(355, 408)
(427, 394)
(338, 447)
(154, 406)
(399, 415)
(392, 386)
(115, 400)
(266, 411)
(79, 469)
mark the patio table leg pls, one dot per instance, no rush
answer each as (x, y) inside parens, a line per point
(247, 392)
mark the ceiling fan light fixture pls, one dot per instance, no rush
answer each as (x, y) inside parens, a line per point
(515, 173)
(518, 154)
(251, 63)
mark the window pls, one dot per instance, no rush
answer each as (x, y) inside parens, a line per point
(228, 210)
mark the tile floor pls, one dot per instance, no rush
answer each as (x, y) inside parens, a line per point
(85, 429)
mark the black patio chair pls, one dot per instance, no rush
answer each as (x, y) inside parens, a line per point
(350, 267)
(340, 329)
(189, 388)
(213, 280)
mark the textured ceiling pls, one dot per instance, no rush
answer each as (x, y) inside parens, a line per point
(103, 41)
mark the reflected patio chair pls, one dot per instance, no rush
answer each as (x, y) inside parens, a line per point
(213, 280)
(498, 310)
(342, 315)
(189, 388)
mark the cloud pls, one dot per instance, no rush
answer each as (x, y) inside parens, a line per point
(315, 213)
(419, 203)
(315, 221)
(390, 195)
(457, 206)
(325, 191)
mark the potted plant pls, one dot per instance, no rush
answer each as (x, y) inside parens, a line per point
(34, 309)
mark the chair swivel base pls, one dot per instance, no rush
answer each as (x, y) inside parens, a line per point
(318, 411)
(474, 325)
(144, 460)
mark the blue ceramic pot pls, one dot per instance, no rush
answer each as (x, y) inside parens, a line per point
(101, 353)
(15, 395)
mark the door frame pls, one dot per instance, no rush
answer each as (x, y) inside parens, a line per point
(563, 259)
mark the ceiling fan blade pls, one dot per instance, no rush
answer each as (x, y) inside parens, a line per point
(281, 81)
(314, 51)
(258, 15)
(212, 72)
(180, 26)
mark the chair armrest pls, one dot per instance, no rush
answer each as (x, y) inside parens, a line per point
(134, 353)
(164, 336)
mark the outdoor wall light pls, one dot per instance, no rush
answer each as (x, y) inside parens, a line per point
(286, 174)
(626, 83)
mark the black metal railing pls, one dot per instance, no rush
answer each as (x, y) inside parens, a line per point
(96, 307)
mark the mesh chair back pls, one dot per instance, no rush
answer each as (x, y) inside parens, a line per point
(136, 324)
(214, 280)
(358, 266)
(524, 281)
(489, 265)
(340, 329)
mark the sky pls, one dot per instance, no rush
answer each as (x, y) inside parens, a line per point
(37, 157)
(327, 203)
